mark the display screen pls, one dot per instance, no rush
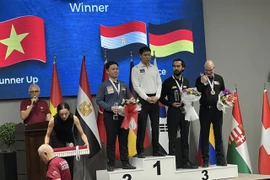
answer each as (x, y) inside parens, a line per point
(33, 32)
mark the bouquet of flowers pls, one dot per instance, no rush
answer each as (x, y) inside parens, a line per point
(225, 99)
(189, 96)
(129, 109)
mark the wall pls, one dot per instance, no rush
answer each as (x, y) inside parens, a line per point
(237, 40)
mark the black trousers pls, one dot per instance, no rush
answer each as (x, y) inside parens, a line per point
(208, 115)
(113, 129)
(176, 119)
(153, 111)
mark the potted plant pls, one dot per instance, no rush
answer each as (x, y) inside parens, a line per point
(8, 163)
(7, 135)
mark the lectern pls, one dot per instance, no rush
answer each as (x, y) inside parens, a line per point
(34, 137)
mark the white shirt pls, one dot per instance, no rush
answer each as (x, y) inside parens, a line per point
(146, 80)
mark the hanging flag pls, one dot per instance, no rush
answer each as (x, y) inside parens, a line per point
(170, 38)
(86, 114)
(163, 126)
(237, 148)
(212, 151)
(264, 157)
(22, 39)
(56, 94)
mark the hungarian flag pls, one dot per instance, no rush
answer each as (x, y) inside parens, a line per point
(86, 114)
(170, 38)
(237, 148)
(22, 39)
(264, 157)
(212, 150)
(56, 93)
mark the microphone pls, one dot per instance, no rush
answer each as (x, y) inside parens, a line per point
(34, 102)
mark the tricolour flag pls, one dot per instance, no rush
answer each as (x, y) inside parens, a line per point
(264, 157)
(56, 94)
(121, 39)
(170, 38)
(212, 151)
(22, 39)
(86, 114)
(237, 148)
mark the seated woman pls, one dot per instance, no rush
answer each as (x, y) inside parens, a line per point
(61, 127)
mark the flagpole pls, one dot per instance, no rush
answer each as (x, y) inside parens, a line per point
(105, 54)
(265, 86)
(83, 53)
(54, 58)
(131, 56)
(235, 87)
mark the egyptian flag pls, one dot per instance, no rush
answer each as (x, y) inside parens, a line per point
(121, 39)
(170, 38)
(22, 39)
(56, 94)
(86, 114)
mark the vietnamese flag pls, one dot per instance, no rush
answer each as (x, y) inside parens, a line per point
(22, 39)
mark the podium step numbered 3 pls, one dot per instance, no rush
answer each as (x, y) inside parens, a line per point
(163, 168)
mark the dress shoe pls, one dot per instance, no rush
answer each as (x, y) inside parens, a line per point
(189, 165)
(128, 166)
(221, 163)
(110, 168)
(205, 164)
(159, 154)
(141, 155)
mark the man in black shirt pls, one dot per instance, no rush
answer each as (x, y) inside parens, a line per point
(210, 85)
(172, 88)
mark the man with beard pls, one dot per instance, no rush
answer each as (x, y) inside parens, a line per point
(171, 97)
(210, 85)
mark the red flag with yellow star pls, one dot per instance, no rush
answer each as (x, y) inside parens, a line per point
(22, 39)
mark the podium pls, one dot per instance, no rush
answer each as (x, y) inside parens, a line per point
(28, 139)
(163, 168)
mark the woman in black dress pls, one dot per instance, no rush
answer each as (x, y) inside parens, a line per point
(61, 127)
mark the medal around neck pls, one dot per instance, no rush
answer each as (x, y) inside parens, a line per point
(213, 92)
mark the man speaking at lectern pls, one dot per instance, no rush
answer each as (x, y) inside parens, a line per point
(34, 110)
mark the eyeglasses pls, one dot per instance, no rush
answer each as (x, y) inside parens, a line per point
(209, 70)
(37, 91)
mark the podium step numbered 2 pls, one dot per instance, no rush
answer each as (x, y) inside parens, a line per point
(163, 168)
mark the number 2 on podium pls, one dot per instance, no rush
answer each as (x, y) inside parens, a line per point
(157, 164)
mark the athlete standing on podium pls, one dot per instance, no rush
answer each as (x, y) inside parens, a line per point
(109, 96)
(171, 97)
(210, 85)
(147, 84)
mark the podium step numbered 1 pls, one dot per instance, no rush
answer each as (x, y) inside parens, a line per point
(163, 168)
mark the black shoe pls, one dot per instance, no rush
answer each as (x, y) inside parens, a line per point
(159, 154)
(189, 165)
(110, 168)
(141, 155)
(205, 164)
(221, 163)
(128, 166)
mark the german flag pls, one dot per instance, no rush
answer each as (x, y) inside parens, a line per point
(170, 38)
